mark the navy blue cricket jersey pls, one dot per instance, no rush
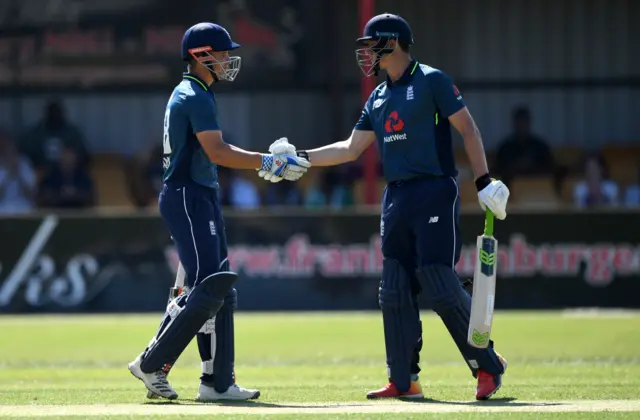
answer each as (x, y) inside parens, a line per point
(410, 120)
(190, 110)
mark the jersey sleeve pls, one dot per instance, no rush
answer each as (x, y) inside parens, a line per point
(446, 95)
(202, 113)
(364, 122)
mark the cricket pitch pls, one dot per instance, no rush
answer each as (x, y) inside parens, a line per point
(319, 408)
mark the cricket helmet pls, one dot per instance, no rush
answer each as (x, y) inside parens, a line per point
(204, 38)
(375, 41)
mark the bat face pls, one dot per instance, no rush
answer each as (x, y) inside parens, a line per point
(482, 302)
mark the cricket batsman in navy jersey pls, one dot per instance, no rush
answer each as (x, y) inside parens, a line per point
(410, 115)
(192, 147)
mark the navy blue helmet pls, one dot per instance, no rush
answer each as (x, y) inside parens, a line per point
(204, 38)
(376, 39)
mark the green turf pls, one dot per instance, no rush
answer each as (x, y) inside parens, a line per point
(324, 358)
(386, 416)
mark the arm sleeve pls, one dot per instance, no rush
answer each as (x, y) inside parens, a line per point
(364, 123)
(202, 113)
(446, 95)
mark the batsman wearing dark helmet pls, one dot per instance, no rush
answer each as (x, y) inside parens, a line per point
(192, 148)
(410, 116)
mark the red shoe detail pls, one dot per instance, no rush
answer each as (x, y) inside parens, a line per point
(489, 384)
(390, 391)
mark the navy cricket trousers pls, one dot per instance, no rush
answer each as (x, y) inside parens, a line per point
(420, 222)
(193, 216)
(419, 227)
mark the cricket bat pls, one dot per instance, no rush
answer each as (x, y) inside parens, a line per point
(484, 287)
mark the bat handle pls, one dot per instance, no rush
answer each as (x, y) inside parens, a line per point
(488, 223)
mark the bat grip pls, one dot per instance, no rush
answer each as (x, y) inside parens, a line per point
(488, 223)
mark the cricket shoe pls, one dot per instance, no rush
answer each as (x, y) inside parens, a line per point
(155, 382)
(489, 384)
(390, 391)
(233, 393)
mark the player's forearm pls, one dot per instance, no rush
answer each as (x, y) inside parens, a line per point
(333, 154)
(475, 152)
(234, 157)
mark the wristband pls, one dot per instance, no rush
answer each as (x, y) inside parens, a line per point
(267, 162)
(303, 154)
(482, 182)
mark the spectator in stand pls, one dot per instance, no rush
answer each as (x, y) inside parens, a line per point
(67, 184)
(44, 142)
(523, 153)
(632, 195)
(330, 188)
(144, 173)
(596, 189)
(283, 193)
(17, 179)
(243, 193)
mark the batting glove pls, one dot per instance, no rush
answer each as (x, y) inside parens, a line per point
(493, 194)
(278, 147)
(288, 167)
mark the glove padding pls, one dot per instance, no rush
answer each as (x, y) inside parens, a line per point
(288, 167)
(495, 196)
(278, 147)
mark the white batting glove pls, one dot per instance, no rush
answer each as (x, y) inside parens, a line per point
(288, 167)
(278, 147)
(495, 196)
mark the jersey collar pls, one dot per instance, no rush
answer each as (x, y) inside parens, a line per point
(196, 79)
(406, 76)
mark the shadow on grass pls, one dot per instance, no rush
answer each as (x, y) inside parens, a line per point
(255, 404)
(496, 402)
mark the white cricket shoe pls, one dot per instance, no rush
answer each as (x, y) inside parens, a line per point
(234, 393)
(152, 396)
(155, 382)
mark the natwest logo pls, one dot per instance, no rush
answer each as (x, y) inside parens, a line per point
(394, 124)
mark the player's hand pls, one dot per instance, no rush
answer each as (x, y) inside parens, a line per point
(495, 196)
(288, 167)
(278, 147)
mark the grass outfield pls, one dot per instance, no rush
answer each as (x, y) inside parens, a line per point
(317, 365)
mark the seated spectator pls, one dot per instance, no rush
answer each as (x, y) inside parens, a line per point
(145, 174)
(632, 195)
(341, 191)
(522, 153)
(316, 195)
(43, 143)
(283, 193)
(17, 179)
(243, 194)
(329, 188)
(596, 189)
(68, 184)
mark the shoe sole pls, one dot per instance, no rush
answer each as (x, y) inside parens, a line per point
(486, 397)
(255, 396)
(150, 392)
(404, 397)
(152, 396)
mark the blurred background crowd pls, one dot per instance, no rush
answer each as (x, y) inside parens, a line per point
(85, 84)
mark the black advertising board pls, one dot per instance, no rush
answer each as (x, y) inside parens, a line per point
(307, 262)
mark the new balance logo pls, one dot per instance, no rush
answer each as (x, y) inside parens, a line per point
(433, 219)
(410, 93)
